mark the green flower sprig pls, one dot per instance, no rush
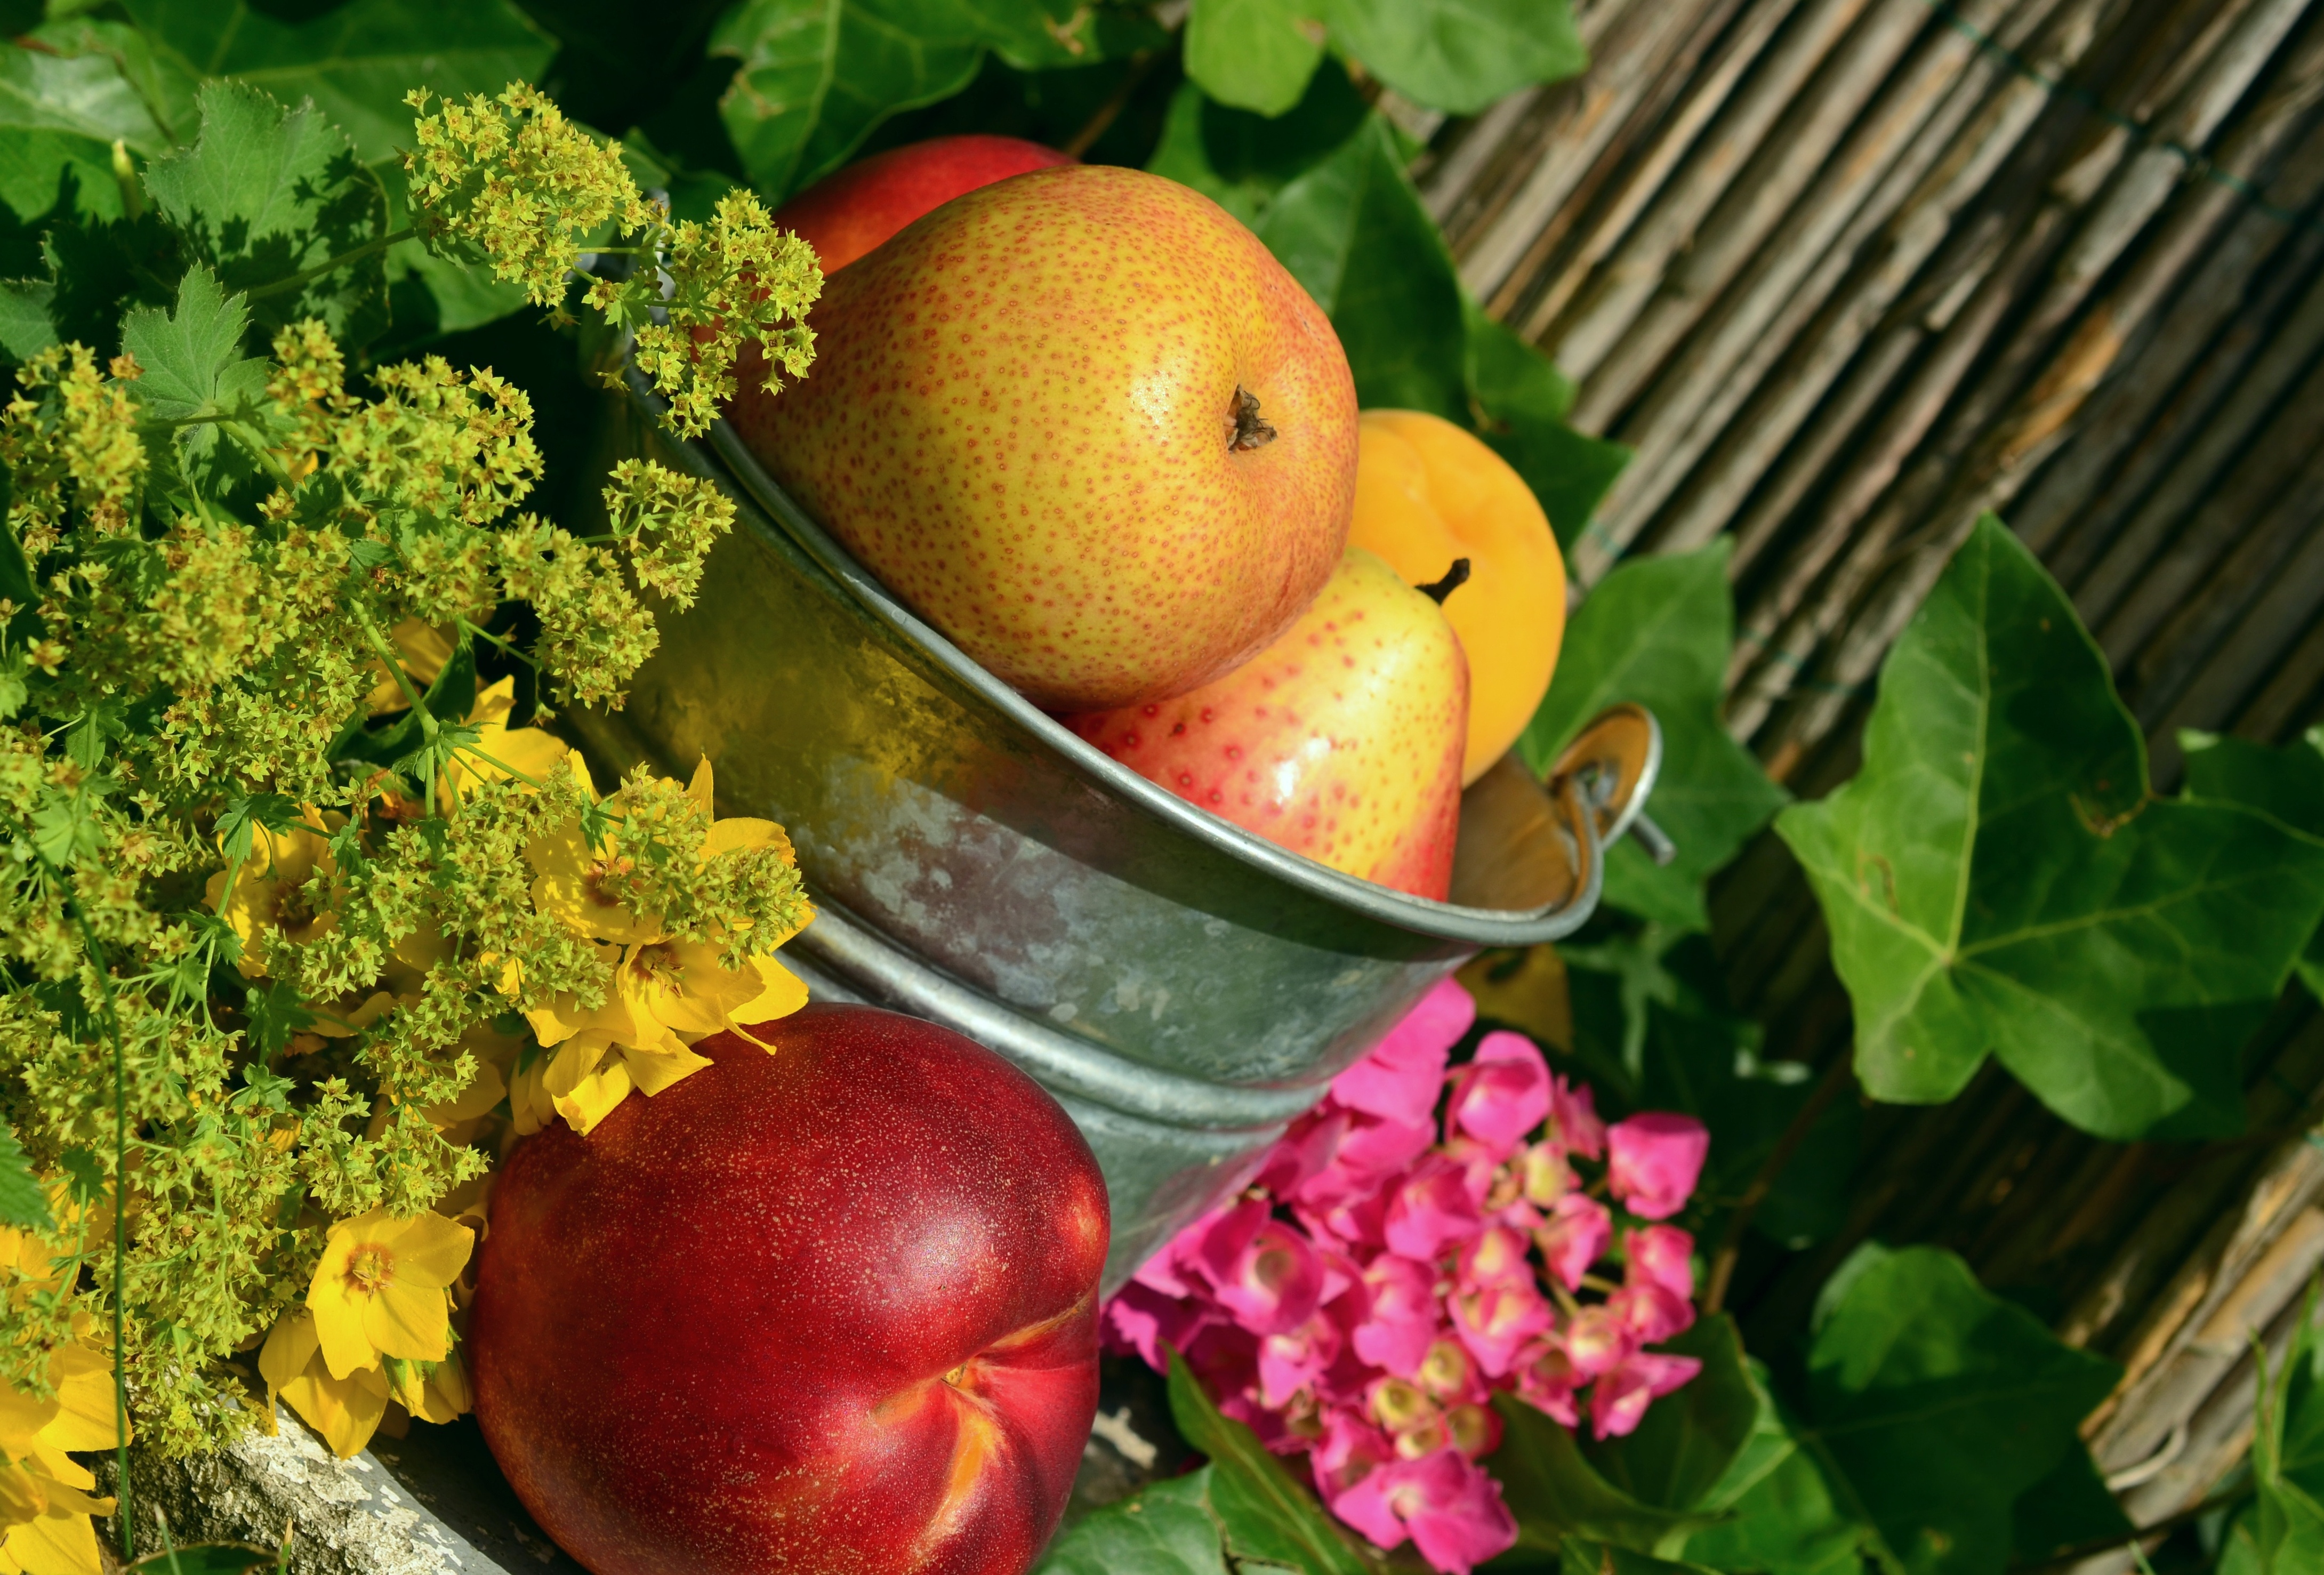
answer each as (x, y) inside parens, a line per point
(511, 180)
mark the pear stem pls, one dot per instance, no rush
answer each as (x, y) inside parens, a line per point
(1454, 578)
(1251, 429)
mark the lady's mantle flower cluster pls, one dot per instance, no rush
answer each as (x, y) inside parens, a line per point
(511, 180)
(1390, 1269)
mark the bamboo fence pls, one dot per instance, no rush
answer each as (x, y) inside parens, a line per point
(1847, 274)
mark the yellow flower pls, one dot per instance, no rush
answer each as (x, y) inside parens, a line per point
(269, 897)
(380, 1289)
(424, 651)
(345, 1411)
(436, 1392)
(46, 1504)
(527, 752)
(570, 878)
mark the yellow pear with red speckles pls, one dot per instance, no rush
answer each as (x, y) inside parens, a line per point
(1341, 741)
(1083, 423)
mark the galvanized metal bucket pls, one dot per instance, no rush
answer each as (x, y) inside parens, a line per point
(1182, 988)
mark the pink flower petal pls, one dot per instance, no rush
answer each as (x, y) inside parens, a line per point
(1501, 1095)
(1451, 1508)
(1546, 1379)
(1402, 1318)
(1401, 1077)
(1573, 1122)
(1266, 1276)
(1500, 1257)
(1597, 1341)
(1291, 1362)
(1619, 1400)
(1432, 1211)
(1301, 1152)
(1144, 1320)
(1661, 1255)
(1373, 1147)
(1574, 1236)
(1496, 1321)
(1654, 1161)
(1650, 1313)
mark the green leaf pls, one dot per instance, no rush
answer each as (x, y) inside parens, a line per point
(2287, 784)
(1460, 56)
(1939, 1404)
(1688, 1442)
(818, 76)
(355, 61)
(1657, 630)
(2067, 1508)
(205, 1559)
(1998, 879)
(1253, 54)
(1554, 1492)
(1582, 1556)
(1166, 1530)
(195, 370)
(63, 113)
(16, 573)
(26, 324)
(100, 268)
(265, 194)
(1520, 403)
(23, 1202)
(1268, 1515)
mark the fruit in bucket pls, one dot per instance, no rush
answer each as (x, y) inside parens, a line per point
(1084, 424)
(850, 211)
(1341, 741)
(830, 1308)
(1428, 492)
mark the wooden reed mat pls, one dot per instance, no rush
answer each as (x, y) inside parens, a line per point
(1847, 274)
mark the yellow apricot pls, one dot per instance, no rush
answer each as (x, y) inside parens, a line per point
(1428, 492)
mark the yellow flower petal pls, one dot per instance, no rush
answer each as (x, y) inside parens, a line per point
(429, 1250)
(290, 1344)
(742, 835)
(484, 1090)
(701, 789)
(86, 1418)
(62, 1543)
(596, 1096)
(408, 1321)
(22, 1418)
(569, 883)
(781, 993)
(653, 1072)
(345, 1411)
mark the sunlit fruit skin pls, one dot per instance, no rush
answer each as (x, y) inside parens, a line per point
(1083, 423)
(851, 210)
(1341, 741)
(831, 1309)
(1428, 492)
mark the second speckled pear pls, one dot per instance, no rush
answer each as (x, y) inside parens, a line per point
(1084, 424)
(1341, 741)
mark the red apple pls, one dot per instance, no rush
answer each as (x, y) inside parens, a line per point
(833, 1308)
(850, 211)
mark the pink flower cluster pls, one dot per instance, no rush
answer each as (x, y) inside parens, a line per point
(1383, 1275)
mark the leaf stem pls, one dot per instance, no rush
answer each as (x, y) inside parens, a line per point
(377, 243)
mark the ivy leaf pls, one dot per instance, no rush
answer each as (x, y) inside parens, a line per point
(1267, 1514)
(2284, 1531)
(23, 1202)
(2065, 1509)
(357, 61)
(266, 193)
(1657, 630)
(1999, 879)
(2286, 785)
(1460, 56)
(1688, 1442)
(1938, 1405)
(1519, 402)
(1168, 1529)
(818, 76)
(1582, 1556)
(1241, 160)
(1253, 54)
(195, 373)
(60, 116)
(1554, 1492)
(1782, 1515)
